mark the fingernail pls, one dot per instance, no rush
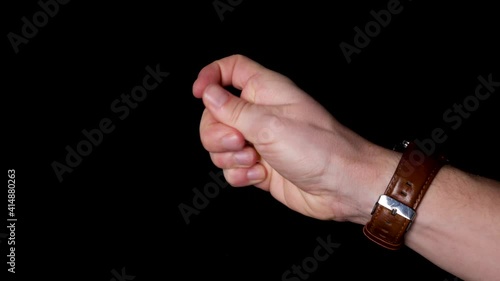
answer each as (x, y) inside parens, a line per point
(231, 142)
(256, 173)
(216, 96)
(242, 158)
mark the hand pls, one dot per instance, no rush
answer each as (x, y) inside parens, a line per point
(278, 138)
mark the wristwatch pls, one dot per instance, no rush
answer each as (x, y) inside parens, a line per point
(395, 210)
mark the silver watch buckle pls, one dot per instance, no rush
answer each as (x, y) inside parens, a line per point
(396, 207)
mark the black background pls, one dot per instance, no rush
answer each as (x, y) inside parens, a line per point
(119, 207)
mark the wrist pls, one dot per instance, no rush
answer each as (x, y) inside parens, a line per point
(371, 178)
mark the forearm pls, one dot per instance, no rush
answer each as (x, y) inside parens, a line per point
(458, 225)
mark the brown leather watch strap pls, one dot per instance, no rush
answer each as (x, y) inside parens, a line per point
(395, 210)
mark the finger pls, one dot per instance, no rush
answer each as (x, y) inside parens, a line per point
(218, 137)
(239, 177)
(258, 83)
(235, 70)
(248, 118)
(244, 158)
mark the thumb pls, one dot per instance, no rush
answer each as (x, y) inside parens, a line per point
(244, 116)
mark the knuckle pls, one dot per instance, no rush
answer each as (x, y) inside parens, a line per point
(237, 112)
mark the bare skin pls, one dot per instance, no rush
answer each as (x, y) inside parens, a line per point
(277, 138)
